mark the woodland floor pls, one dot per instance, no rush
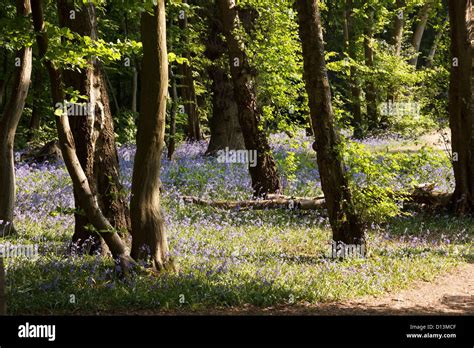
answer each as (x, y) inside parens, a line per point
(451, 293)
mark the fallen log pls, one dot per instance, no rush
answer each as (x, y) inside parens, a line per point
(276, 203)
(421, 195)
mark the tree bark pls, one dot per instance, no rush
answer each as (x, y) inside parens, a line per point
(149, 234)
(8, 126)
(344, 222)
(264, 175)
(94, 134)
(224, 123)
(419, 30)
(87, 199)
(350, 38)
(461, 111)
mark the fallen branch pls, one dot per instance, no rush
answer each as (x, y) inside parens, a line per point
(275, 203)
(422, 194)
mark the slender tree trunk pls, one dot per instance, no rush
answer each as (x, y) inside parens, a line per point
(94, 133)
(399, 26)
(174, 111)
(350, 43)
(35, 120)
(149, 234)
(461, 113)
(111, 91)
(188, 92)
(397, 40)
(434, 46)
(134, 89)
(8, 126)
(370, 91)
(345, 224)
(264, 175)
(87, 199)
(419, 30)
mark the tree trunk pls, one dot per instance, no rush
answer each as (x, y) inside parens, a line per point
(35, 120)
(188, 92)
(264, 175)
(399, 26)
(174, 111)
(370, 91)
(87, 199)
(350, 38)
(224, 123)
(419, 30)
(94, 134)
(149, 234)
(345, 224)
(461, 111)
(134, 89)
(434, 46)
(8, 126)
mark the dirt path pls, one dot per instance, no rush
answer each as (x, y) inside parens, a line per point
(451, 293)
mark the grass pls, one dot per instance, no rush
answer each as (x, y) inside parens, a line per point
(226, 258)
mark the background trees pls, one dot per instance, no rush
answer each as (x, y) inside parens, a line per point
(237, 73)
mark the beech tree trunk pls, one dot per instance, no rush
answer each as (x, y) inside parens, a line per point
(264, 175)
(370, 91)
(149, 234)
(94, 133)
(344, 222)
(461, 113)
(419, 30)
(224, 123)
(350, 44)
(87, 198)
(8, 126)
(173, 113)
